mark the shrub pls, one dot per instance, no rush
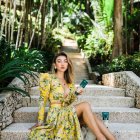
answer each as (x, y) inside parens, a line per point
(15, 68)
(32, 56)
(122, 63)
(5, 52)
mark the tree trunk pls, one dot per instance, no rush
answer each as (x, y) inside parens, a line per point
(117, 46)
(21, 35)
(51, 11)
(131, 34)
(19, 30)
(25, 24)
(126, 32)
(13, 21)
(36, 24)
(4, 19)
(131, 6)
(0, 14)
(30, 20)
(139, 37)
(10, 21)
(80, 7)
(6, 29)
(88, 7)
(59, 13)
(43, 25)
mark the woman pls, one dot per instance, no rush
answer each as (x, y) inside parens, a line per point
(62, 121)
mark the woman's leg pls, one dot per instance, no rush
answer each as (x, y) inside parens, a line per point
(84, 110)
(103, 128)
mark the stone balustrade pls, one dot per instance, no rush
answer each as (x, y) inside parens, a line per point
(126, 80)
(10, 100)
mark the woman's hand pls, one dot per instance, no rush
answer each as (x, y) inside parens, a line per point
(79, 90)
(34, 126)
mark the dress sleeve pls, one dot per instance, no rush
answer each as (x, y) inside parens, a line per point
(44, 87)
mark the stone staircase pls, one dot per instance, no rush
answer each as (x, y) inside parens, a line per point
(124, 119)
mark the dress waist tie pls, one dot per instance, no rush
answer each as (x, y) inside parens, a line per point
(56, 103)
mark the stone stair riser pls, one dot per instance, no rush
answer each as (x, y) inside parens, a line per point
(94, 101)
(92, 91)
(31, 117)
(22, 132)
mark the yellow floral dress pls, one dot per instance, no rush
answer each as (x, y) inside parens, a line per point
(61, 122)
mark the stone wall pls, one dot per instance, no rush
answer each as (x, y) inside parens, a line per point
(10, 101)
(94, 76)
(126, 80)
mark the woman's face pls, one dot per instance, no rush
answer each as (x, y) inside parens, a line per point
(61, 63)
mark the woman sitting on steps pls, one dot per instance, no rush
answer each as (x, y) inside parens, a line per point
(62, 121)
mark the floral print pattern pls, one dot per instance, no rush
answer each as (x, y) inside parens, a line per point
(61, 122)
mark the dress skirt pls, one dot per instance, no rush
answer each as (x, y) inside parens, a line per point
(61, 124)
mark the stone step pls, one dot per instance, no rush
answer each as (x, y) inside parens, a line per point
(81, 77)
(116, 114)
(81, 72)
(70, 49)
(130, 131)
(122, 131)
(75, 55)
(93, 90)
(70, 42)
(79, 66)
(97, 101)
(78, 60)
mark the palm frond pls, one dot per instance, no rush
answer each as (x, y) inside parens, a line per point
(21, 70)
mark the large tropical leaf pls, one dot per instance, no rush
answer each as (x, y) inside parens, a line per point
(16, 68)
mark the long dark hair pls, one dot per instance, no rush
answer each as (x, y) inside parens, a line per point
(68, 75)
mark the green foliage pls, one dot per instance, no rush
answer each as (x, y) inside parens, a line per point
(133, 19)
(17, 63)
(80, 23)
(48, 57)
(81, 40)
(52, 43)
(32, 56)
(15, 68)
(99, 43)
(106, 7)
(5, 52)
(122, 63)
(95, 37)
(8, 53)
(61, 33)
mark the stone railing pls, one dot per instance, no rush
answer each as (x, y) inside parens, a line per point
(10, 101)
(126, 80)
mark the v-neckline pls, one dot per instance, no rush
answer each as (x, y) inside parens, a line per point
(68, 85)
